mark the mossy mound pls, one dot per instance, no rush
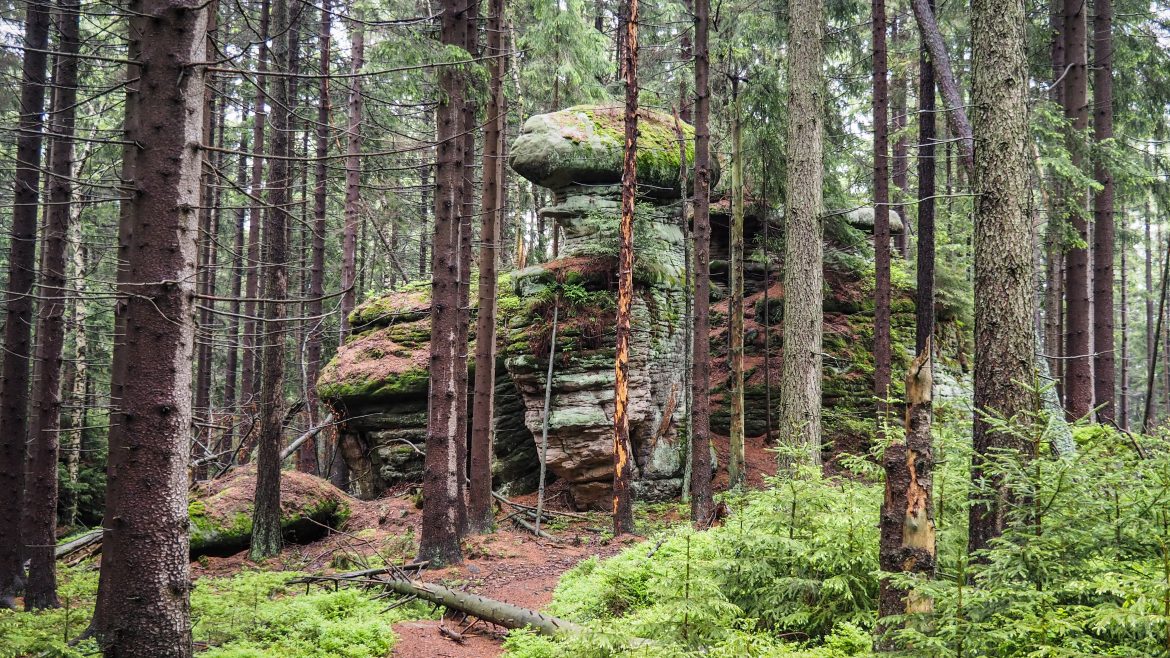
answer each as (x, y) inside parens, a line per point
(384, 363)
(220, 511)
(584, 145)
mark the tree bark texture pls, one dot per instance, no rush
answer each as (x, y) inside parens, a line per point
(353, 178)
(901, 161)
(701, 500)
(441, 532)
(1104, 363)
(1004, 302)
(941, 63)
(480, 517)
(18, 298)
(927, 123)
(143, 594)
(881, 211)
(40, 480)
(266, 535)
(800, 370)
(1078, 346)
(623, 512)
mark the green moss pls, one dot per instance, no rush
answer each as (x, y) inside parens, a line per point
(409, 383)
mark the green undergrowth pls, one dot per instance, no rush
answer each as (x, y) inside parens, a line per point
(1082, 570)
(253, 614)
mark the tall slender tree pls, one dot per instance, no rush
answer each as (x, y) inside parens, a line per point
(491, 217)
(927, 167)
(143, 608)
(735, 460)
(800, 371)
(353, 174)
(623, 511)
(701, 500)
(266, 534)
(1004, 303)
(1078, 345)
(881, 209)
(441, 530)
(40, 505)
(18, 299)
(1104, 363)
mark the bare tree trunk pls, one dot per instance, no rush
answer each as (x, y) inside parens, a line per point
(18, 307)
(266, 535)
(1004, 301)
(927, 168)
(956, 113)
(623, 511)
(907, 516)
(424, 178)
(736, 475)
(231, 394)
(248, 380)
(1078, 367)
(353, 178)
(307, 457)
(479, 514)
(1104, 367)
(78, 399)
(1123, 402)
(40, 478)
(441, 530)
(901, 165)
(143, 608)
(701, 502)
(800, 370)
(881, 211)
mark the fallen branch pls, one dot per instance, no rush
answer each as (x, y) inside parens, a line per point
(292, 447)
(496, 612)
(71, 547)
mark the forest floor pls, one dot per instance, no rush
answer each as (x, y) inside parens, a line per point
(510, 565)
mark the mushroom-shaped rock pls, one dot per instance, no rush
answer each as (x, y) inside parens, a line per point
(863, 218)
(584, 145)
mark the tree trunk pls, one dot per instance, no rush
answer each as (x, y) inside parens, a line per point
(480, 517)
(231, 394)
(927, 122)
(353, 178)
(248, 380)
(40, 479)
(800, 370)
(1123, 401)
(18, 299)
(1078, 367)
(424, 183)
(953, 97)
(881, 211)
(901, 164)
(623, 511)
(143, 595)
(1104, 367)
(736, 475)
(1004, 302)
(266, 535)
(78, 398)
(441, 532)
(701, 502)
(907, 516)
(307, 457)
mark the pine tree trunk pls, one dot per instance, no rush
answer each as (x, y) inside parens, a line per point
(201, 436)
(480, 517)
(18, 299)
(78, 399)
(248, 381)
(800, 371)
(40, 478)
(701, 502)
(881, 211)
(1123, 400)
(735, 459)
(1104, 366)
(623, 511)
(231, 396)
(307, 457)
(353, 179)
(1078, 367)
(901, 164)
(424, 183)
(1004, 301)
(941, 62)
(927, 123)
(441, 532)
(143, 608)
(266, 534)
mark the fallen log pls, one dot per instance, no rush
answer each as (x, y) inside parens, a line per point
(70, 547)
(292, 447)
(496, 612)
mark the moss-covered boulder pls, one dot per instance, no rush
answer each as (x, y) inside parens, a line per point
(220, 511)
(378, 384)
(583, 145)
